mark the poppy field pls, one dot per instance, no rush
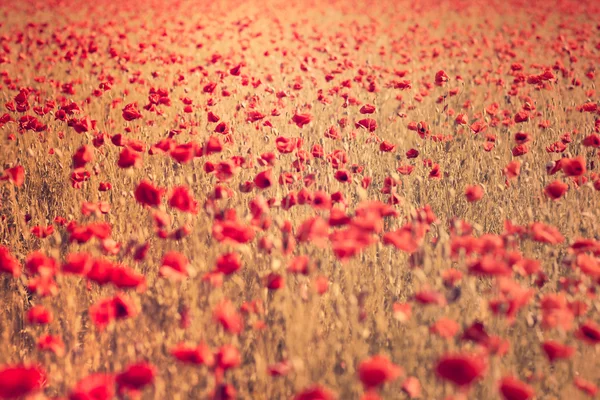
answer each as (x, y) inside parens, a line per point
(299, 200)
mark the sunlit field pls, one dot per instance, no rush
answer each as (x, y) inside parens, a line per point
(299, 200)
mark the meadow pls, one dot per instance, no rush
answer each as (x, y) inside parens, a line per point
(299, 200)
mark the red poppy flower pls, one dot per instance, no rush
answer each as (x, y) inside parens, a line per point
(573, 166)
(264, 179)
(473, 193)
(184, 153)
(589, 332)
(315, 393)
(592, 140)
(229, 263)
(232, 231)
(513, 389)
(321, 284)
(386, 147)
(103, 312)
(301, 119)
(183, 200)
(124, 277)
(95, 386)
(367, 123)
(287, 145)
(226, 314)
(174, 266)
(147, 194)
(227, 357)
(198, 355)
(556, 190)
(51, 343)
(82, 156)
(39, 315)
(521, 116)
(461, 369)
(341, 175)
(253, 116)
(129, 158)
(378, 370)
(8, 263)
(557, 351)
(586, 386)
(16, 175)
(136, 376)
(445, 327)
(274, 281)
(441, 78)
(299, 265)
(20, 380)
(131, 112)
(367, 109)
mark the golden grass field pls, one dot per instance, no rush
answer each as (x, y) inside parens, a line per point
(377, 200)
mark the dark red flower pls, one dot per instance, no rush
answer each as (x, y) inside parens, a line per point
(592, 140)
(556, 190)
(460, 369)
(589, 332)
(367, 109)
(147, 194)
(386, 147)
(198, 355)
(301, 119)
(131, 112)
(441, 78)
(264, 179)
(274, 281)
(136, 376)
(342, 175)
(367, 123)
(106, 310)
